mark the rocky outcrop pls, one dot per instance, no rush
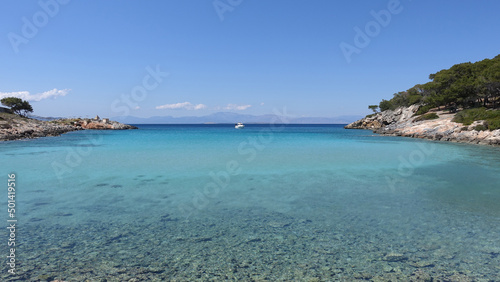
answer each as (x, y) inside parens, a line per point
(14, 127)
(401, 122)
(22, 128)
(385, 118)
(101, 124)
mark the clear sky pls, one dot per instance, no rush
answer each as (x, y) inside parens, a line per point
(316, 58)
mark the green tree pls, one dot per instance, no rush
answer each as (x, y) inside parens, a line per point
(374, 108)
(17, 105)
(465, 85)
(385, 105)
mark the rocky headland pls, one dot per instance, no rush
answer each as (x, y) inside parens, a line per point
(404, 122)
(14, 127)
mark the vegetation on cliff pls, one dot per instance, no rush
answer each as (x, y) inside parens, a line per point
(428, 116)
(460, 104)
(472, 89)
(17, 105)
(463, 86)
(491, 118)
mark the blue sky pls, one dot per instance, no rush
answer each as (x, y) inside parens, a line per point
(82, 58)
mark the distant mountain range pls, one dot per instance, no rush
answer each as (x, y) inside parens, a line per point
(228, 117)
(43, 118)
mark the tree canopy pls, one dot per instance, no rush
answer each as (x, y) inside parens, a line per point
(374, 108)
(466, 85)
(17, 105)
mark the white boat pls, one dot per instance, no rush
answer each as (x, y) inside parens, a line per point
(239, 125)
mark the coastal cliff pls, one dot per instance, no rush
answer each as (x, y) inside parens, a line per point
(14, 127)
(404, 122)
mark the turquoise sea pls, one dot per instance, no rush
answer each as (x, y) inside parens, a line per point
(286, 203)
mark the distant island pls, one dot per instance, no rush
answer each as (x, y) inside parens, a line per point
(460, 104)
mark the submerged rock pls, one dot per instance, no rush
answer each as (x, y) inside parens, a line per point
(394, 257)
(420, 276)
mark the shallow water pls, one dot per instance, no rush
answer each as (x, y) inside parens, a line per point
(172, 202)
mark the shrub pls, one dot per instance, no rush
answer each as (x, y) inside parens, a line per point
(427, 117)
(423, 109)
(467, 117)
(480, 127)
(494, 124)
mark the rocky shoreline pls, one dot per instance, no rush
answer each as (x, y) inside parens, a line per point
(13, 127)
(402, 122)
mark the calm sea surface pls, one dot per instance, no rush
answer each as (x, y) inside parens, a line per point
(209, 202)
